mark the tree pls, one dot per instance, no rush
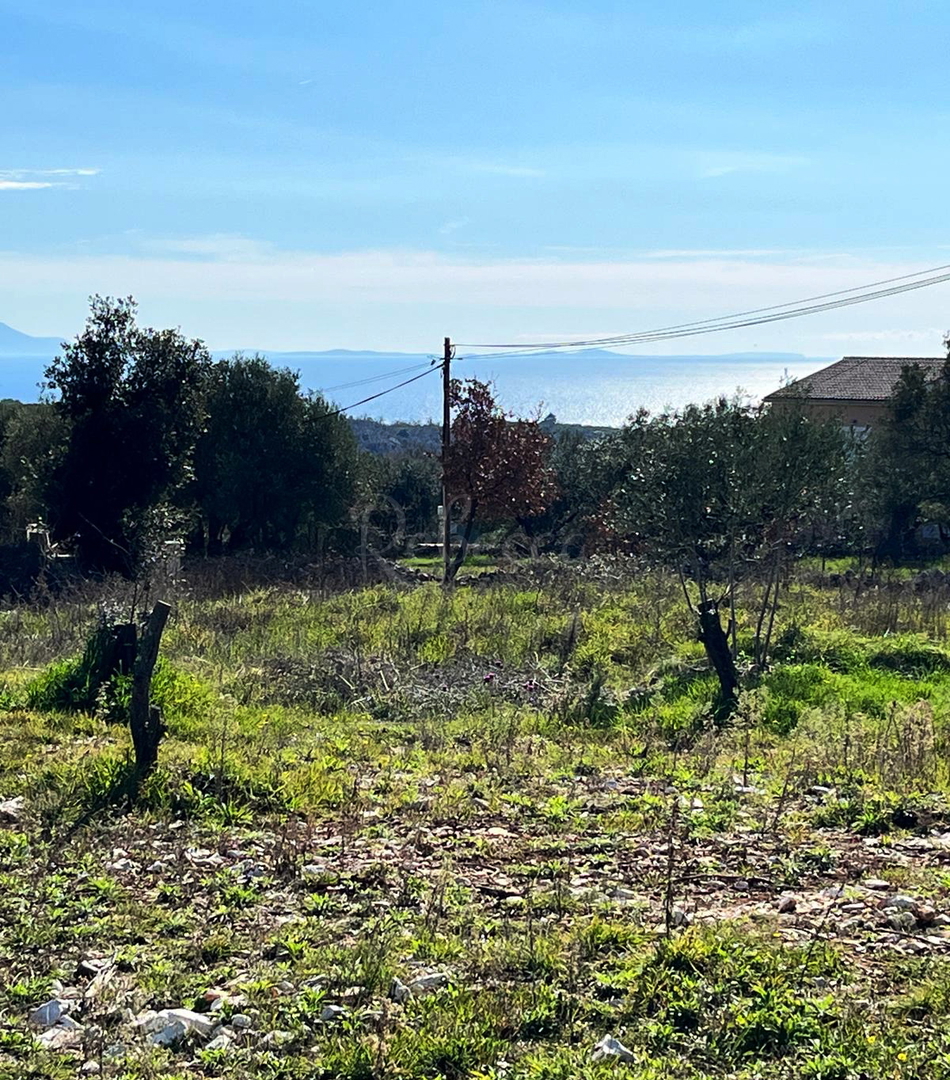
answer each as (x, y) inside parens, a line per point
(905, 471)
(496, 466)
(35, 441)
(132, 402)
(400, 496)
(716, 491)
(271, 465)
(584, 477)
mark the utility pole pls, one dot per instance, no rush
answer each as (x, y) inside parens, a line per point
(446, 442)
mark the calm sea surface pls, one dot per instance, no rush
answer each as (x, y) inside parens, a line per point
(579, 389)
(582, 388)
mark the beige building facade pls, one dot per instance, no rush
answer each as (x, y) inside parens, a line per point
(855, 390)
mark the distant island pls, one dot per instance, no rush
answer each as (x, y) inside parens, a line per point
(592, 387)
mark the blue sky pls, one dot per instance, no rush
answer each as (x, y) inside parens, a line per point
(315, 175)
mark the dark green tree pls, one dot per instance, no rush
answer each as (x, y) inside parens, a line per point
(272, 465)
(721, 492)
(132, 401)
(34, 443)
(904, 473)
(400, 496)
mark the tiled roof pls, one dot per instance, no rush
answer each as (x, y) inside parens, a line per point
(858, 378)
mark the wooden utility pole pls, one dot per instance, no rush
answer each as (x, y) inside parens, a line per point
(446, 443)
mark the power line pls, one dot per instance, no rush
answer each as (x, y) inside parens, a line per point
(383, 393)
(774, 313)
(376, 378)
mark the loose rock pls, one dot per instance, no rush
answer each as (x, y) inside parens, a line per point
(169, 1034)
(62, 1037)
(899, 902)
(399, 992)
(609, 1047)
(426, 984)
(49, 1014)
(11, 810)
(903, 921)
(277, 1038)
(678, 917)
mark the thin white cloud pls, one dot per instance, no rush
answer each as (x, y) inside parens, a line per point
(264, 297)
(67, 172)
(26, 179)
(25, 185)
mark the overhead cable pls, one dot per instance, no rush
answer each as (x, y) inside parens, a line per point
(754, 317)
(383, 393)
(375, 378)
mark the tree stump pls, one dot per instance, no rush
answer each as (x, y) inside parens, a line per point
(145, 719)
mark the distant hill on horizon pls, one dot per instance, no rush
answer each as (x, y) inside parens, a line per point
(593, 387)
(16, 343)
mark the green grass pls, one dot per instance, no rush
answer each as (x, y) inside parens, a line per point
(510, 784)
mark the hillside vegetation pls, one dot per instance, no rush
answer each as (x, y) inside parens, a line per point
(408, 832)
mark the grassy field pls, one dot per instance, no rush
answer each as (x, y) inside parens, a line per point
(404, 833)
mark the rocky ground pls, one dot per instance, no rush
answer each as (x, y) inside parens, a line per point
(159, 944)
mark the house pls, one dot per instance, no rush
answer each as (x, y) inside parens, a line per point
(855, 389)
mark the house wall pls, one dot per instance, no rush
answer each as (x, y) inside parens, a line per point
(850, 413)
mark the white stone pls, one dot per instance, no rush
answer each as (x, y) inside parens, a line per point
(332, 1012)
(899, 902)
(277, 1038)
(169, 1034)
(161, 1022)
(90, 1068)
(678, 917)
(220, 1042)
(609, 1047)
(61, 1037)
(198, 1022)
(11, 809)
(241, 1021)
(623, 894)
(47, 1015)
(426, 984)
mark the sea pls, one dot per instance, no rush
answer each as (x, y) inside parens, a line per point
(596, 387)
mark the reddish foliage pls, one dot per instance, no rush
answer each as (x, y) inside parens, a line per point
(499, 465)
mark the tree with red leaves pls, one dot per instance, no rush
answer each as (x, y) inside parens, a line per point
(497, 467)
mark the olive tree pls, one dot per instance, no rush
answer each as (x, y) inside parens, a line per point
(720, 491)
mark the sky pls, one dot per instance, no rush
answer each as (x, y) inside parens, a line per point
(382, 173)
